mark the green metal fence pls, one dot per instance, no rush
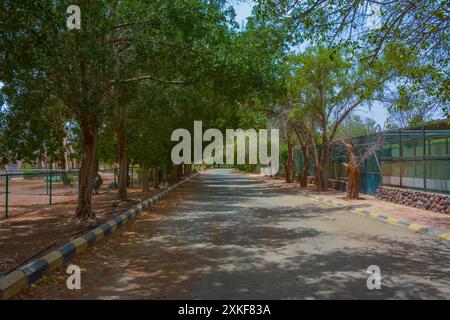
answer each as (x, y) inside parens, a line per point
(24, 190)
(417, 158)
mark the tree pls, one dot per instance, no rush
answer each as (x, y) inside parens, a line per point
(36, 130)
(34, 34)
(330, 86)
(119, 43)
(413, 102)
(421, 26)
(152, 119)
(327, 90)
(357, 156)
(305, 129)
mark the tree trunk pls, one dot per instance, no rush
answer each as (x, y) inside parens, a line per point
(353, 175)
(288, 168)
(173, 173)
(353, 182)
(84, 209)
(123, 166)
(324, 163)
(164, 175)
(316, 165)
(304, 175)
(155, 173)
(95, 167)
(145, 180)
(181, 172)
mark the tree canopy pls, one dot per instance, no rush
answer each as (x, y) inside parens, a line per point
(134, 71)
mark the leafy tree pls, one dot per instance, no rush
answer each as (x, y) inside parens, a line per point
(33, 134)
(34, 34)
(421, 26)
(355, 126)
(330, 85)
(120, 45)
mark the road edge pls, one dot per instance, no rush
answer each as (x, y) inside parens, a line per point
(375, 215)
(382, 217)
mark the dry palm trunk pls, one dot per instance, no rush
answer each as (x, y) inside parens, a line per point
(353, 181)
(353, 176)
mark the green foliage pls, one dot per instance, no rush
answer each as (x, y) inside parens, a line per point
(249, 168)
(125, 50)
(356, 126)
(419, 28)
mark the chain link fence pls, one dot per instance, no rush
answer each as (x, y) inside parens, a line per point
(24, 190)
(415, 158)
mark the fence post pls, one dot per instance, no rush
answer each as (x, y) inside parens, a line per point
(6, 195)
(50, 189)
(400, 153)
(423, 159)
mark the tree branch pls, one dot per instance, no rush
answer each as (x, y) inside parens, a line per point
(150, 77)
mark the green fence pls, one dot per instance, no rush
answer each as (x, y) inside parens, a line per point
(417, 158)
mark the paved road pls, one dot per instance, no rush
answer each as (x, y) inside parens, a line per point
(227, 236)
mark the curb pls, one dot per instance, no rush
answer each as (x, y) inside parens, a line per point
(25, 276)
(382, 217)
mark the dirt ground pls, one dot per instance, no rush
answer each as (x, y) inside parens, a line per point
(34, 227)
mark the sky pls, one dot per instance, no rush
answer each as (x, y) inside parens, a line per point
(377, 112)
(243, 10)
